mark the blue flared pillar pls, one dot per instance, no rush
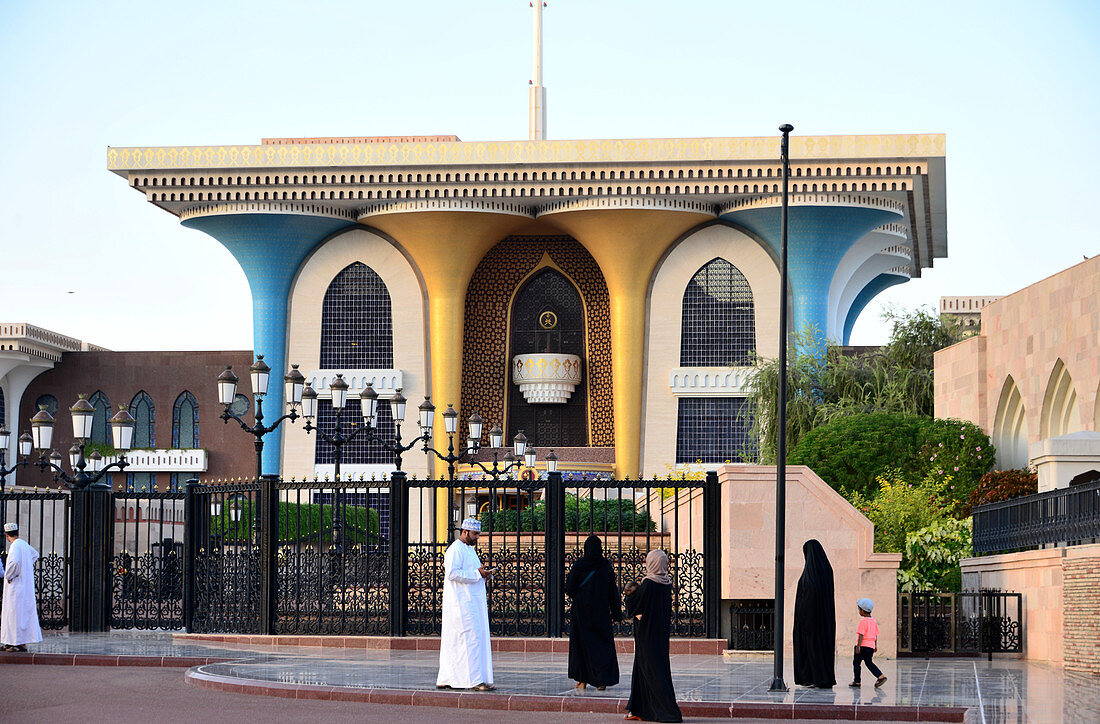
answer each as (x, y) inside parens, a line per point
(819, 236)
(869, 292)
(270, 247)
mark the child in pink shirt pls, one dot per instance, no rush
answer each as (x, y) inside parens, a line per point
(866, 636)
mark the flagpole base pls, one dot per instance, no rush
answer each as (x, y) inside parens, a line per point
(778, 685)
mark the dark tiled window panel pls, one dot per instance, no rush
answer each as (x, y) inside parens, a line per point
(713, 430)
(185, 421)
(144, 412)
(375, 499)
(486, 372)
(717, 328)
(100, 418)
(358, 451)
(2, 407)
(356, 321)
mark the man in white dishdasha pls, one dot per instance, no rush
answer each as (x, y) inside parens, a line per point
(465, 655)
(19, 620)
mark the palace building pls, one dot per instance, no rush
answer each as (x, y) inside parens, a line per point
(606, 297)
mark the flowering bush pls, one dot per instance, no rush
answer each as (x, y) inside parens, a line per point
(998, 485)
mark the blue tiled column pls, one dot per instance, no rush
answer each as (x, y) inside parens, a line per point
(270, 247)
(818, 238)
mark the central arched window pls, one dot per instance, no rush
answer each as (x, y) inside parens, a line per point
(100, 418)
(145, 437)
(185, 421)
(718, 328)
(3, 409)
(356, 321)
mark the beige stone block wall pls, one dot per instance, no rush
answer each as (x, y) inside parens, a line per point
(1081, 606)
(409, 337)
(814, 510)
(664, 317)
(1038, 576)
(1026, 334)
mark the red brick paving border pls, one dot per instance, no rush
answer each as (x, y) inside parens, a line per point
(184, 662)
(576, 704)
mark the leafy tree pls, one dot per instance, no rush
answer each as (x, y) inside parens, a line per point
(821, 388)
(932, 554)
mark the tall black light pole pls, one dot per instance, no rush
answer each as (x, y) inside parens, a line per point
(781, 423)
(260, 374)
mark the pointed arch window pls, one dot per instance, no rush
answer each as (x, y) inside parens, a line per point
(357, 321)
(718, 325)
(101, 433)
(144, 412)
(185, 421)
(3, 408)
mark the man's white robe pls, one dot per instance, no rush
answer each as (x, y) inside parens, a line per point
(465, 655)
(19, 619)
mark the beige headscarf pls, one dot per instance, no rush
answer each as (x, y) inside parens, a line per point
(656, 567)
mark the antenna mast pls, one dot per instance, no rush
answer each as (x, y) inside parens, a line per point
(536, 124)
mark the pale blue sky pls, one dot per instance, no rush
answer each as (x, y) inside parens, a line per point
(1012, 84)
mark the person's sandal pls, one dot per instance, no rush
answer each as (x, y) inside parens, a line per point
(631, 717)
(580, 685)
(855, 685)
(484, 687)
(881, 680)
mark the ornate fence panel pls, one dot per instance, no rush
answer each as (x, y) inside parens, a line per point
(1067, 516)
(146, 565)
(333, 574)
(222, 593)
(44, 522)
(752, 625)
(971, 622)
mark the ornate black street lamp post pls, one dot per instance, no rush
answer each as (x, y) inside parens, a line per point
(260, 373)
(92, 509)
(88, 472)
(781, 423)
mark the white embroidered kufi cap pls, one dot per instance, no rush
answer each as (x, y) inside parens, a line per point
(11, 527)
(472, 524)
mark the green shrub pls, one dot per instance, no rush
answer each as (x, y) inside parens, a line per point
(581, 514)
(301, 522)
(998, 485)
(850, 453)
(899, 507)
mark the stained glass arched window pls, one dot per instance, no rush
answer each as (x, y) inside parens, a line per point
(101, 432)
(718, 328)
(49, 401)
(357, 321)
(3, 408)
(185, 421)
(144, 412)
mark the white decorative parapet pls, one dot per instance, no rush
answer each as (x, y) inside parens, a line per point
(164, 461)
(546, 378)
(385, 382)
(709, 381)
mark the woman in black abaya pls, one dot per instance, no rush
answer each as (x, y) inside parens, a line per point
(815, 621)
(652, 697)
(591, 585)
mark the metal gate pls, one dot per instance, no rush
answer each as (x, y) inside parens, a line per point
(971, 622)
(43, 518)
(146, 565)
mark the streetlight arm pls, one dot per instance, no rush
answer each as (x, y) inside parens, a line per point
(495, 470)
(259, 429)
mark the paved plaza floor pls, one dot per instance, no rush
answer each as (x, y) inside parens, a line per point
(1001, 691)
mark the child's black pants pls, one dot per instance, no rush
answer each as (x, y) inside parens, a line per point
(864, 655)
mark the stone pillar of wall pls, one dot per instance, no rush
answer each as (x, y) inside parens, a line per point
(1081, 609)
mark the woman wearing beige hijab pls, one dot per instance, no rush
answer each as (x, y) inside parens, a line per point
(652, 697)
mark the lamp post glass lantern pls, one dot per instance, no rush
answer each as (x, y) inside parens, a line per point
(87, 472)
(260, 373)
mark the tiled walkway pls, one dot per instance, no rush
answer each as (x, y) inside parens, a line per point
(999, 692)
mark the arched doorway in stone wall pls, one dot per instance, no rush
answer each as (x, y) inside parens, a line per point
(510, 283)
(547, 341)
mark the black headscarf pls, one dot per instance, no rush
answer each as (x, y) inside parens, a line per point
(815, 620)
(593, 555)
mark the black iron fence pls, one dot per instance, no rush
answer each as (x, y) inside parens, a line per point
(357, 557)
(43, 519)
(971, 622)
(1067, 516)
